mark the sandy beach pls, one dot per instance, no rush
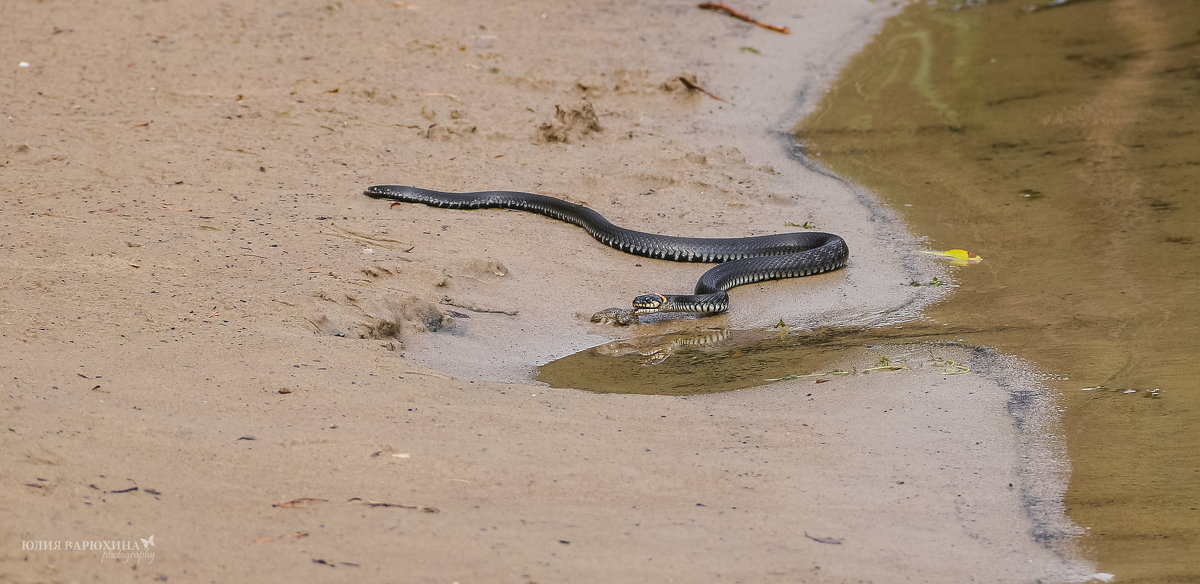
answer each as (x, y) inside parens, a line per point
(215, 351)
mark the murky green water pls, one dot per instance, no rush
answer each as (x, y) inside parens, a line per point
(1062, 145)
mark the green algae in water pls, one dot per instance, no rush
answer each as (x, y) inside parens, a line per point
(1063, 145)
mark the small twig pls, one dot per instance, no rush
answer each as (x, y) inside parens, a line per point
(398, 505)
(828, 540)
(427, 374)
(885, 368)
(473, 308)
(436, 94)
(688, 83)
(382, 504)
(792, 376)
(297, 503)
(718, 7)
(295, 535)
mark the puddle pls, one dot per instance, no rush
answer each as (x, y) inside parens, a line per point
(716, 360)
(1061, 142)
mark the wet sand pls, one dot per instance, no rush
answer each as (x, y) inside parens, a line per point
(210, 337)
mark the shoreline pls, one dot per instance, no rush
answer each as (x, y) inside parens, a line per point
(199, 247)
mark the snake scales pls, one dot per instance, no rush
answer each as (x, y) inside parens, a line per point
(740, 260)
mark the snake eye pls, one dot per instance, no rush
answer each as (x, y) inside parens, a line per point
(649, 301)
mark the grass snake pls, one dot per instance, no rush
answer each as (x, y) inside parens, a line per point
(740, 260)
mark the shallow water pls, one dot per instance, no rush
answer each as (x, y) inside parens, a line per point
(1061, 144)
(711, 360)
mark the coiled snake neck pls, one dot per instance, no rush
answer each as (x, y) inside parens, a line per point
(740, 260)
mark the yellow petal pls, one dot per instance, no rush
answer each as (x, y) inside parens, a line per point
(956, 254)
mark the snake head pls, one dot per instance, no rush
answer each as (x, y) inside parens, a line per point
(649, 303)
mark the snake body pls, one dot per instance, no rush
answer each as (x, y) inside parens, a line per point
(740, 260)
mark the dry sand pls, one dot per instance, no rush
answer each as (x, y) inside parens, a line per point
(197, 302)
